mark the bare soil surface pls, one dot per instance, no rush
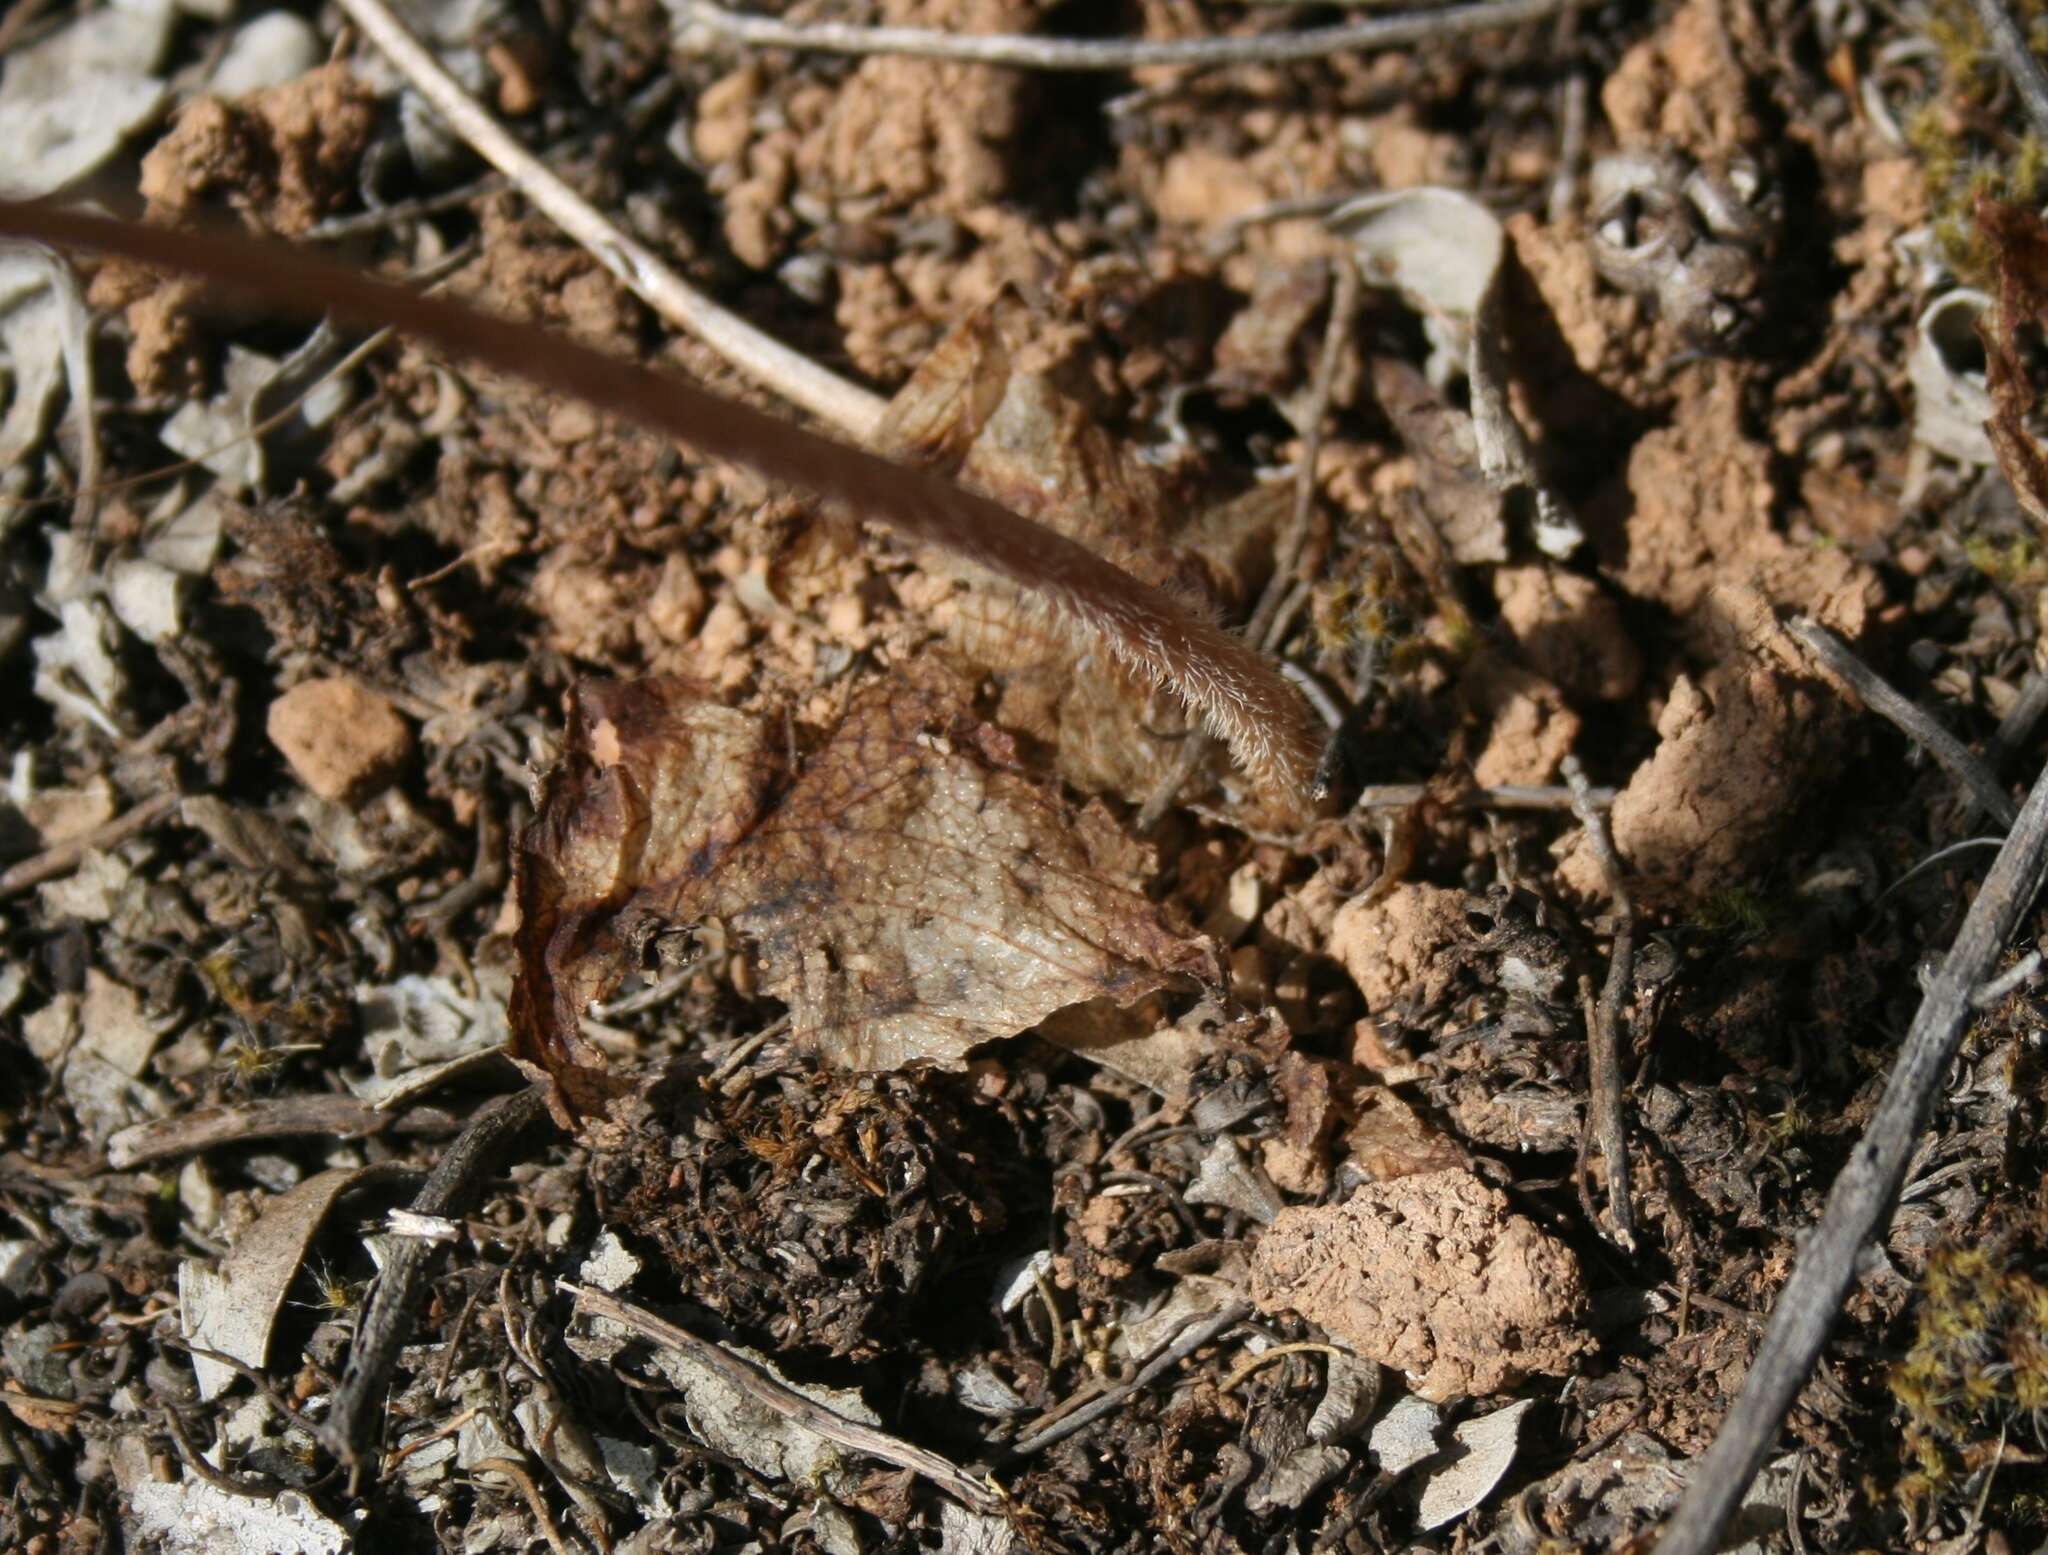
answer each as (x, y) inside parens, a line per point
(1042, 1136)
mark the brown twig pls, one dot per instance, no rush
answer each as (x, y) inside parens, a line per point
(1344, 296)
(515, 1471)
(283, 1117)
(195, 1460)
(833, 400)
(776, 1395)
(65, 856)
(1863, 1195)
(1235, 689)
(272, 1394)
(1915, 723)
(1287, 554)
(1605, 1119)
(387, 1320)
(1027, 53)
(1509, 796)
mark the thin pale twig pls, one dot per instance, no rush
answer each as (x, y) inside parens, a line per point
(1606, 1122)
(847, 406)
(1509, 796)
(64, 856)
(1075, 54)
(1235, 689)
(1191, 1338)
(781, 1399)
(284, 1117)
(1993, 993)
(1862, 1199)
(1881, 698)
(1571, 148)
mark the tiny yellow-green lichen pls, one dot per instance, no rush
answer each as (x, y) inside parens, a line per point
(1964, 152)
(1977, 1371)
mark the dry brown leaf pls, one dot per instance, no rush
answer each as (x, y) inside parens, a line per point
(980, 411)
(2019, 238)
(910, 894)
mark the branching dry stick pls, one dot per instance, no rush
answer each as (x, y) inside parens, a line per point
(1881, 698)
(1861, 1202)
(1243, 700)
(847, 406)
(1027, 53)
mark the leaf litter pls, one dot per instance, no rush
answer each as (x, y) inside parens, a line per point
(893, 1057)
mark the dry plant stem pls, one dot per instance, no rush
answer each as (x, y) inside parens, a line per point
(1571, 149)
(1605, 1120)
(2010, 44)
(1878, 695)
(1238, 693)
(1287, 555)
(2026, 970)
(285, 1117)
(1059, 1427)
(196, 1461)
(271, 1394)
(774, 1394)
(536, 1503)
(450, 1189)
(1861, 1201)
(65, 856)
(2018, 724)
(1028, 53)
(850, 408)
(1512, 796)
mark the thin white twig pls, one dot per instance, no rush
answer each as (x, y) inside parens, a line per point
(1028, 53)
(770, 363)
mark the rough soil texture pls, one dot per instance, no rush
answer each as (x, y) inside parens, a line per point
(1429, 1274)
(991, 1085)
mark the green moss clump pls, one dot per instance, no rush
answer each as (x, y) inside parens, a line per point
(1739, 913)
(1977, 1373)
(1964, 152)
(2018, 563)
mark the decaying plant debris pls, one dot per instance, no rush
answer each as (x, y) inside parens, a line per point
(560, 992)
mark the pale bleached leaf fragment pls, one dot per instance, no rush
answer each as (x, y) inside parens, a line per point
(233, 1307)
(1481, 1453)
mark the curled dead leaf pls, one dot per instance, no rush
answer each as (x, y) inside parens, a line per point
(909, 893)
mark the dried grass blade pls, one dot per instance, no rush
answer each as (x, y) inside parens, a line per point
(1234, 688)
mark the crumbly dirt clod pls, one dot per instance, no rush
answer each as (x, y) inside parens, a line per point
(1432, 1275)
(343, 741)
